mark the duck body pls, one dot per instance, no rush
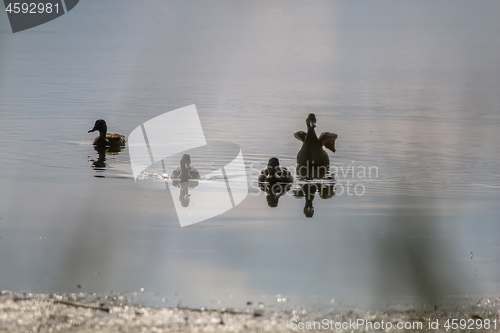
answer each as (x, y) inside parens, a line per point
(185, 171)
(274, 173)
(312, 159)
(106, 139)
(312, 151)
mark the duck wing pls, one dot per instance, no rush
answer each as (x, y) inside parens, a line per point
(194, 174)
(327, 139)
(300, 135)
(116, 139)
(262, 177)
(284, 175)
(176, 173)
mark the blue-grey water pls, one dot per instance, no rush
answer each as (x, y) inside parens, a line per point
(411, 88)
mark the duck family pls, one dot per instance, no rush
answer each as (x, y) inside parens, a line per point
(312, 160)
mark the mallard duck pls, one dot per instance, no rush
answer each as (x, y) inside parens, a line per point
(274, 173)
(106, 139)
(312, 156)
(185, 172)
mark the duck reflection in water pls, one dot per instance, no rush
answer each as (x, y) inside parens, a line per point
(100, 163)
(308, 191)
(182, 178)
(274, 192)
(184, 196)
(275, 181)
(105, 144)
(313, 161)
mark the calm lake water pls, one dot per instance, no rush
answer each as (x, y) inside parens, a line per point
(410, 88)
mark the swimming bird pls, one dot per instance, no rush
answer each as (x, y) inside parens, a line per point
(106, 139)
(185, 171)
(274, 173)
(312, 157)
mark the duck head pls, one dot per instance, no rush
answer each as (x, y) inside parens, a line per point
(186, 162)
(273, 162)
(100, 125)
(272, 166)
(311, 120)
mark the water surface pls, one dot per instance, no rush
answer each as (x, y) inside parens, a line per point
(410, 88)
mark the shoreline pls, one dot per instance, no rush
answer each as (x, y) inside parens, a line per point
(91, 313)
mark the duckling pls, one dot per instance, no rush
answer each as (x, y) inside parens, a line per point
(185, 171)
(106, 139)
(274, 173)
(312, 155)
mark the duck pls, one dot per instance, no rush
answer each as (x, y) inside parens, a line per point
(106, 139)
(185, 172)
(274, 173)
(312, 157)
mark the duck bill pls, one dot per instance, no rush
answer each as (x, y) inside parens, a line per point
(313, 124)
(93, 129)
